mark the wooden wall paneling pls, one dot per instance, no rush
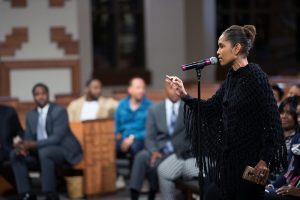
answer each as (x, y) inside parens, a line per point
(65, 99)
(56, 3)
(7, 66)
(64, 40)
(14, 41)
(9, 101)
(22, 109)
(4, 80)
(18, 3)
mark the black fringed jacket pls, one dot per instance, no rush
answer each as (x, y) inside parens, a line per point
(239, 126)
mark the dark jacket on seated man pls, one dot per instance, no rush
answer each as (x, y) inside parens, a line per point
(58, 131)
(10, 127)
(48, 142)
(158, 134)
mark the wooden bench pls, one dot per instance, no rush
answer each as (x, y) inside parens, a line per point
(286, 81)
(207, 89)
(98, 143)
(9, 101)
(65, 99)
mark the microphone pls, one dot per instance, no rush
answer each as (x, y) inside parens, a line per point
(199, 64)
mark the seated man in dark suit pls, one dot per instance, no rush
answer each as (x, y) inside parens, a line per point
(165, 136)
(10, 127)
(48, 141)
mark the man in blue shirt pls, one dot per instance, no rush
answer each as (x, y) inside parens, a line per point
(130, 119)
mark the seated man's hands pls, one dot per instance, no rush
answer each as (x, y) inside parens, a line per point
(155, 155)
(126, 143)
(23, 146)
(118, 136)
(289, 190)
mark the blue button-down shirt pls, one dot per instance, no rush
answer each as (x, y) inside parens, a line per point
(131, 122)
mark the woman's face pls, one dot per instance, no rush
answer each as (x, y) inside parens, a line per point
(298, 114)
(287, 120)
(225, 51)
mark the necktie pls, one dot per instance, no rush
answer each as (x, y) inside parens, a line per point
(169, 146)
(173, 119)
(40, 127)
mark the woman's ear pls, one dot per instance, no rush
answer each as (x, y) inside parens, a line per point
(236, 49)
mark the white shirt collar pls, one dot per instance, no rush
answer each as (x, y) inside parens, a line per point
(169, 105)
(44, 109)
(168, 101)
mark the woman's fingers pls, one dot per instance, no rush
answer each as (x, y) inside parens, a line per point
(176, 83)
(179, 82)
(173, 78)
(261, 173)
(264, 174)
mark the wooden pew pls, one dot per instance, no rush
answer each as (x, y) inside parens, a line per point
(207, 89)
(153, 95)
(286, 81)
(9, 101)
(65, 99)
(99, 169)
(22, 109)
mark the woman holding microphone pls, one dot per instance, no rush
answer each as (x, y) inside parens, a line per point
(240, 125)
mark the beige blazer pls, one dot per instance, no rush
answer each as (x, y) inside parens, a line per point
(106, 110)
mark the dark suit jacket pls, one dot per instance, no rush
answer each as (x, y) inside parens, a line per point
(9, 128)
(157, 133)
(58, 130)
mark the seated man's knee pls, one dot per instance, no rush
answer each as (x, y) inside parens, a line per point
(164, 173)
(142, 157)
(45, 153)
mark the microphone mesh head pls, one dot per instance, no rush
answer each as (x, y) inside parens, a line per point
(213, 60)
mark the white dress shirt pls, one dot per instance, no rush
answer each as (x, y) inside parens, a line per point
(89, 110)
(44, 112)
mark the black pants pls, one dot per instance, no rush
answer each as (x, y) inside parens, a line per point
(279, 197)
(245, 191)
(47, 158)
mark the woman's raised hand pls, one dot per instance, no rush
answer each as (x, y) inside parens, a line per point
(177, 84)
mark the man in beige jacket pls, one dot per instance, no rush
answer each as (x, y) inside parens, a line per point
(92, 105)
